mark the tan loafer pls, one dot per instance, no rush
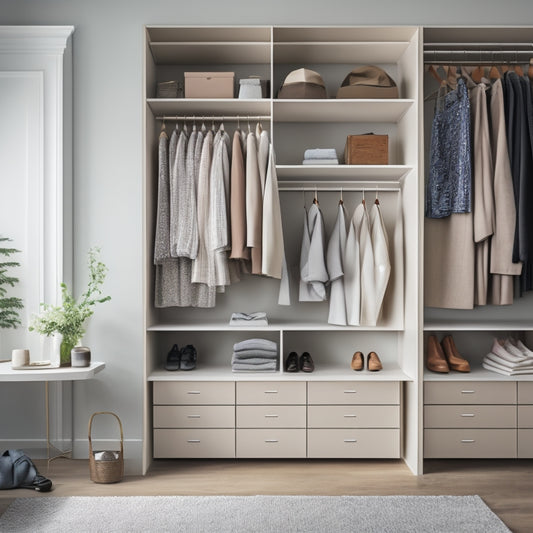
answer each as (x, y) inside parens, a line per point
(373, 362)
(455, 361)
(358, 361)
(436, 361)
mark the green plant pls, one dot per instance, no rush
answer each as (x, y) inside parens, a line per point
(9, 305)
(69, 318)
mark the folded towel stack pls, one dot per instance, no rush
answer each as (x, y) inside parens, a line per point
(255, 355)
(320, 156)
(510, 358)
(249, 319)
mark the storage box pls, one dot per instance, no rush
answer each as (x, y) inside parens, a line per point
(368, 149)
(209, 84)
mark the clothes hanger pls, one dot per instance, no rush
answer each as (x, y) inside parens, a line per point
(341, 201)
(376, 201)
(530, 69)
(363, 200)
(315, 199)
(163, 131)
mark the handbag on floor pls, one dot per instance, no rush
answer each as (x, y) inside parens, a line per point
(18, 471)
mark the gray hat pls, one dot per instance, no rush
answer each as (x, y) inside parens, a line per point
(368, 82)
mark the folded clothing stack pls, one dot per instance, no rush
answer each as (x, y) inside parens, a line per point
(249, 319)
(320, 156)
(509, 357)
(255, 355)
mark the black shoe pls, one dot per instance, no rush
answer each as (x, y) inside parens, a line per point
(39, 483)
(173, 358)
(188, 358)
(291, 364)
(306, 362)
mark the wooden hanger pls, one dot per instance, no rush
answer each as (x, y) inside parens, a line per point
(477, 74)
(494, 72)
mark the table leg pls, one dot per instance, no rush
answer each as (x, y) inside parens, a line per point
(67, 454)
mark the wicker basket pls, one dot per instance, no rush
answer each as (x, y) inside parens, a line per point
(106, 466)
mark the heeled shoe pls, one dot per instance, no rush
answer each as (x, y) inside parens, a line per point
(435, 360)
(373, 362)
(358, 361)
(291, 364)
(455, 361)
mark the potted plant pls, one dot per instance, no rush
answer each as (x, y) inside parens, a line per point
(9, 305)
(69, 318)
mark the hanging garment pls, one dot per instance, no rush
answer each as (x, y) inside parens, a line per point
(502, 268)
(263, 149)
(352, 276)
(483, 190)
(254, 203)
(178, 176)
(313, 271)
(382, 264)
(162, 225)
(448, 187)
(335, 259)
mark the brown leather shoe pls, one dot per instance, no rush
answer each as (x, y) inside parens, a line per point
(436, 362)
(358, 361)
(455, 361)
(373, 363)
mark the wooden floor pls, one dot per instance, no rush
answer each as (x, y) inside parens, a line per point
(505, 486)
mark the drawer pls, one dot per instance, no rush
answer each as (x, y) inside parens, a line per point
(525, 443)
(270, 443)
(354, 443)
(194, 443)
(470, 416)
(525, 416)
(469, 392)
(271, 416)
(194, 416)
(271, 392)
(194, 392)
(353, 416)
(353, 392)
(525, 392)
(469, 443)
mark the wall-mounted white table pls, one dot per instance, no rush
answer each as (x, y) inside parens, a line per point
(48, 374)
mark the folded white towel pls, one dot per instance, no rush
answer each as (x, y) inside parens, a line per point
(320, 161)
(320, 153)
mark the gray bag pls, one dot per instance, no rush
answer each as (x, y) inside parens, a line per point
(17, 470)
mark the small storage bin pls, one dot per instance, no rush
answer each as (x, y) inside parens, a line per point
(367, 149)
(209, 84)
(250, 88)
(106, 466)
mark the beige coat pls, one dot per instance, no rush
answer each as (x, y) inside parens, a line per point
(254, 204)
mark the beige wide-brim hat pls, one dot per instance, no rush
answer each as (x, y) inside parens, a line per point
(303, 83)
(368, 82)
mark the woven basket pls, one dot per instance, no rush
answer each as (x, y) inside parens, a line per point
(106, 466)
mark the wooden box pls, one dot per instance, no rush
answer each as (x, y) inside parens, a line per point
(367, 149)
(209, 84)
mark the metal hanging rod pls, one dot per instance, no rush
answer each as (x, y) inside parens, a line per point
(478, 57)
(353, 188)
(213, 117)
(477, 46)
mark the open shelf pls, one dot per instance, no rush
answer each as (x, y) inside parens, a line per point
(345, 172)
(209, 106)
(486, 325)
(477, 373)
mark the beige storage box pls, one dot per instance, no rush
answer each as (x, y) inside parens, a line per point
(367, 150)
(209, 84)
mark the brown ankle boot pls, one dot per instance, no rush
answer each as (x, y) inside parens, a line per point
(436, 362)
(373, 363)
(358, 361)
(455, 361)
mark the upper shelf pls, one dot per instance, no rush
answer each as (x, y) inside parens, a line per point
(382, 173)
(481, 325)
(209, 106)
(342, 110)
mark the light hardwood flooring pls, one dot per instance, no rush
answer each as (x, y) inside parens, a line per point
(505, 486)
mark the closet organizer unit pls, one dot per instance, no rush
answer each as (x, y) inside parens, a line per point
(480, 414)
(333, 411)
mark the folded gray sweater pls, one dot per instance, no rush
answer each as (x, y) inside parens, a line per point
(255, 344)
(251, 360)
(248, 354)
(271, 366)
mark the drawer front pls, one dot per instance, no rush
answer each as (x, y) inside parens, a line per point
(525, 416)
(353, 392)
(525, 392)
(469, 443)
(353, 443)
(470, 416)
(271, 393)
(469, 392)
(271, 416)
(194, 392)
(194, 443)
(525, 443)
(194, 416)
(353, 416)
(270, 443)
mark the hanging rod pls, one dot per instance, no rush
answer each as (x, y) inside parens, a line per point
(213, 117)
(353, 188)
(474, 57)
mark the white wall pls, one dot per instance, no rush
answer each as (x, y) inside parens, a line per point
(107, 46)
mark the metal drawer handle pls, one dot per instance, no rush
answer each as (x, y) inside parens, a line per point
(350, 392)
(193, 440)
(468, 440)
(271, 416)
(468, 414)
(350, 440)
(271, 392)
(193, 392)
(193, 416)
(468, 391)
(350, 416)
(271, 440)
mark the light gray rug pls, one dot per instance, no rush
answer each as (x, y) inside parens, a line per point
(220, 514)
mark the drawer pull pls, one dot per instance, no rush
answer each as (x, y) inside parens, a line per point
(468, 414)
(271, 392)
(468, 391)
(350, 440)
(193, 440)
(468, 440)
(193, 392)
(271, 416)
(193, 416)
(350, 416)
(350, 391)
(271, 440)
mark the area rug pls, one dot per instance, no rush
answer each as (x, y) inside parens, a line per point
(251, 514)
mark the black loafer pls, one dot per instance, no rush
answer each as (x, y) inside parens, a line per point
(291, 364)
(173, 358)
(306, 362)
(188, 358)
